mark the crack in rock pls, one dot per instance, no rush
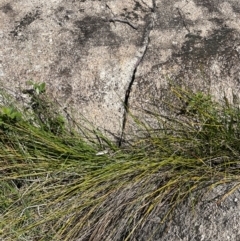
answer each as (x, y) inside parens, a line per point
(139, 57)
(123, 21)
(116, 19)
(183, 20)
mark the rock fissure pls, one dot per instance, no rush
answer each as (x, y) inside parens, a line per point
(120, 20)
(123, 21)
(183, 20)
(139, 57)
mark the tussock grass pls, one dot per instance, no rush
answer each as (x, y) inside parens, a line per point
(56, 185)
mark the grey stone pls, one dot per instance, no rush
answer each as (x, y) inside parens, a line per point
(215, 217)
(85, 51)
(97, 55)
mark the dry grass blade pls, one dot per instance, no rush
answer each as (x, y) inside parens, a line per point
(55, 186)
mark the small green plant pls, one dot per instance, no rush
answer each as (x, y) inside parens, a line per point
(9, 116)
(38, 88)
(45, 114)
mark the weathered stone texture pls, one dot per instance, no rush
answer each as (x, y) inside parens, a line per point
(83, 50)
(91, 52)
(196, 44)
(215, 217)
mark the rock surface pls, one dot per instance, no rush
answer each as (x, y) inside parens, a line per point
(216, 217)
(97, 55)
(195, 44)
(86, 51)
